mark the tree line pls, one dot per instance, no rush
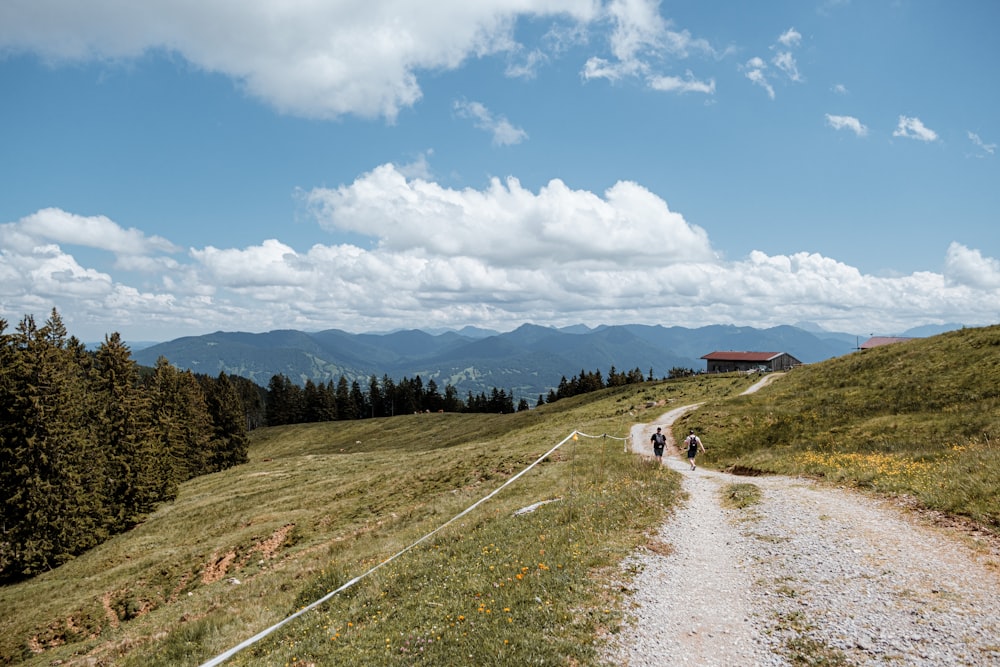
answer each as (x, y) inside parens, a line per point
(90, 444)
(289, 403)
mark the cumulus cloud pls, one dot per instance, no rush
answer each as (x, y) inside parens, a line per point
(326, 60)
(504, 133)
(847, 123)
(495, 256)
(53, 224)
(913, 128)
(967, 267)
(506, 223)
(319, 59)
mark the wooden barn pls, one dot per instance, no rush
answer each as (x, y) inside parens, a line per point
(727, 362)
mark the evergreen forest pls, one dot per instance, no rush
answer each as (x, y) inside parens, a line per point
(91, 443)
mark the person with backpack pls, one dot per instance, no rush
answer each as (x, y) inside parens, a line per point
(659, 441)
(693, 443)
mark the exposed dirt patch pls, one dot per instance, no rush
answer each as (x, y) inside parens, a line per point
(659, 547)
(217, 567)
(109, 610)
(269, 547)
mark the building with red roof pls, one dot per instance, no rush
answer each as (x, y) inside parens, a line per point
(879, 341)
(727, 362)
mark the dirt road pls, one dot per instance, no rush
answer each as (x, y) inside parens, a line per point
(810, 575)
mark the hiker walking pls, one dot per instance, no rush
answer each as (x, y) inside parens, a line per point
(659, 441)
(693, 443)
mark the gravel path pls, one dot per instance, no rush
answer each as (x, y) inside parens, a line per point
(811, 575)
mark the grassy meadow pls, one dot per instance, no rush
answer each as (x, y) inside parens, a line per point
(919, 419)
(320, 504)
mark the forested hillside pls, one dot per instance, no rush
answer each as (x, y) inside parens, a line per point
(525, 362)
(90, 445)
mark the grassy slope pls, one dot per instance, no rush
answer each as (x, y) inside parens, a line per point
(319, 504)
(920, 418)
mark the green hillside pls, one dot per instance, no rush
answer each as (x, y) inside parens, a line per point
(919, 418)
(320, 504)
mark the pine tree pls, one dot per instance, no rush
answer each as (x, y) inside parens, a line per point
(358, 401)
(388, 396)
(311, 402)
(452, 403)
(432, 397)
(121, 424)
(163, 462)
(345, 406)
(49, 515)
(229, 442)
(252, 399)
(376, 404)
(197, 429)
(284, 402)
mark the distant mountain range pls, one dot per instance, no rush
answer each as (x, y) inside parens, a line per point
(528, 361)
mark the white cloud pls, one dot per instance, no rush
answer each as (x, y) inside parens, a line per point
(790, 38)
(912, 128)
(504, 133)
(527, 66)
(271, 264)
(507, 224)
(847, 122)
(314, 59)
(329, 59)
(99, 232)
(48, 271)
(840, 89)
(640, 43)
(980, 144)
(675, 84)
(785, 61)
(966, 267)
(495, 256)
(755, 70)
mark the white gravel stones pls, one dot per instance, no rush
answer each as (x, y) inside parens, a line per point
(810, 573)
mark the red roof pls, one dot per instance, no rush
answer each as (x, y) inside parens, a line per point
(742, 356)
(878, 341)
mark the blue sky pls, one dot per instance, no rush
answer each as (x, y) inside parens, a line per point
(174, 168)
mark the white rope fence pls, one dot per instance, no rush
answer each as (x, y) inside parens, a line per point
(222, 657)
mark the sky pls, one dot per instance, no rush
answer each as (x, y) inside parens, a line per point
(172, 168)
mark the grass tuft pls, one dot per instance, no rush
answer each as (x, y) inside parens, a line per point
(741, 495)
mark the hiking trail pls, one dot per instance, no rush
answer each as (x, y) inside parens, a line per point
(812, 574)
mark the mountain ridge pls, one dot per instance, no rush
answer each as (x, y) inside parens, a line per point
(528, 361)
